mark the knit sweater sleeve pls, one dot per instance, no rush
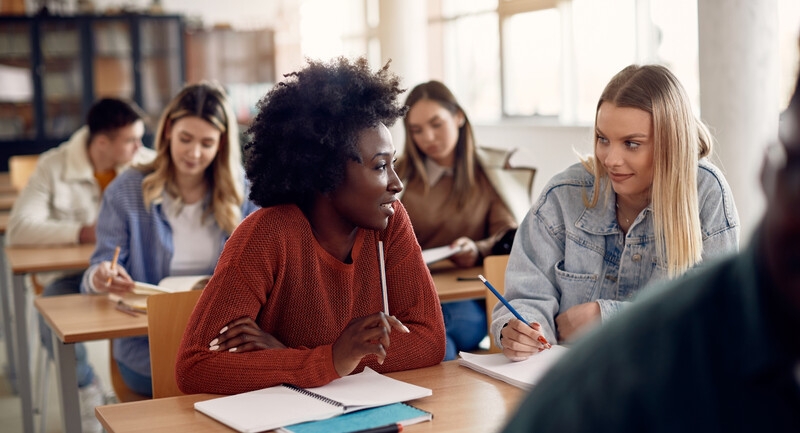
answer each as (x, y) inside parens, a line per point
(236, 290)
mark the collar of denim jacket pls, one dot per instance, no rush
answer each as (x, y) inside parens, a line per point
(602, 218)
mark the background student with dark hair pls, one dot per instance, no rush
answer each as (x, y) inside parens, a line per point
(60, 203)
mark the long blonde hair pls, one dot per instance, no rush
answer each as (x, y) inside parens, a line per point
(412, 164)
(225, 176)
(680, 140)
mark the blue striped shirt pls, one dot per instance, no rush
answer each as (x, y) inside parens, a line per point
(146, 248)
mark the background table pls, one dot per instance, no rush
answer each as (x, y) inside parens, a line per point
(21, 261)
(79, 318)
(457, 284)
(7, 200)
(462, 401)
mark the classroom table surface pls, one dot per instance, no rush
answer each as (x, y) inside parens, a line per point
(27, 259)
(4, 221)
(21, 261)
(462, 401)
(5, 184)
(80, 317)
(7, 200)
(457, 284)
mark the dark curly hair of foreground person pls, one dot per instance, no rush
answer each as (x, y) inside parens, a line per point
(308, 125)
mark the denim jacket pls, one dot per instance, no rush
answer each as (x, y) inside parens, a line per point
(565, 254)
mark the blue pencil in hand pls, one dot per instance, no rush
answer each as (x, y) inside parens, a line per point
(510, 308)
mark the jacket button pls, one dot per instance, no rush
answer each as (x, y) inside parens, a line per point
(636, 257)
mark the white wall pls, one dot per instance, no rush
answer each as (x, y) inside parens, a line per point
(548, 149)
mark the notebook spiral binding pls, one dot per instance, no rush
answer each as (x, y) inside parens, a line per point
(314, 395)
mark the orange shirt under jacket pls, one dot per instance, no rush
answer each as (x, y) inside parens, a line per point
(274, 271)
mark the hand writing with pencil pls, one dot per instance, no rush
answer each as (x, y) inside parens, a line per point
(111, 277)
(364, 336)
(521, 340)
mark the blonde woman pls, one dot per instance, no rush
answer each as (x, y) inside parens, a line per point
(172, 216)
(647, 205)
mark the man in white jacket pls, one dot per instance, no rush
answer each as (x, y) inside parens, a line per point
(61, 201)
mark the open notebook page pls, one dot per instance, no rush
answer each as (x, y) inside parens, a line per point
(522, 374)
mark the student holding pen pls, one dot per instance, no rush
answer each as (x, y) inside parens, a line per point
(296, 297)
(713, 351)
(647, 205)
(172, 216)
(456, 194)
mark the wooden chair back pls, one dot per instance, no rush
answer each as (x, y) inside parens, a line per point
(494, 269)
(167, 316)
(20, 169)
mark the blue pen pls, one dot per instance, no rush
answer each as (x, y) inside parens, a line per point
(502, 299)
(510, 308)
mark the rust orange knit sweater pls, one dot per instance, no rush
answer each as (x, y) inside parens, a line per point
(273, 270)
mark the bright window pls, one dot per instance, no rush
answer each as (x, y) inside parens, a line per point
(532, 63)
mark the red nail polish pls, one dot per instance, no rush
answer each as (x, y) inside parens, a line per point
(542, 340)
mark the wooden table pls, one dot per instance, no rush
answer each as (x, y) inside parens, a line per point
(5, 184)
(7, 200)
(21, 261)
(78, 318)
(4, 221)
(462, 401)
(457, 284)
(70, 327)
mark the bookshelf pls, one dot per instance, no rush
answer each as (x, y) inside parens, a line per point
(53, 68)
(241, 60)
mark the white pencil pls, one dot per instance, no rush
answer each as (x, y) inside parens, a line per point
(383, 278)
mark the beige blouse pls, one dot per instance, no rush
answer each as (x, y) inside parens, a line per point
(437, 220)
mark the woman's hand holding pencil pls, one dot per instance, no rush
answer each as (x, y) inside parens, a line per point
(520, 339)
(367, 335)
(111, 277)
(364, 336)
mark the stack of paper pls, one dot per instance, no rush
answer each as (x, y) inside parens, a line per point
(433, 255)
(522, 374)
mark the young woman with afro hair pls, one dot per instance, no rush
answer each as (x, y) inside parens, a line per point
(296, 296)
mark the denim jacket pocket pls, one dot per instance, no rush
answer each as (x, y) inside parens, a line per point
(575, 288)
(659, 271)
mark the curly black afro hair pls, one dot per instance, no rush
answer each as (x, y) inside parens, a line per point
(308, 125)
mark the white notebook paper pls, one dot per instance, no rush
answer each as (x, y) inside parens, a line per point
(282, 405)
(137, 298)
(433, 255)
(522, 374)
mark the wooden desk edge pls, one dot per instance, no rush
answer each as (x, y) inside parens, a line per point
(185, 403)
(110, 332)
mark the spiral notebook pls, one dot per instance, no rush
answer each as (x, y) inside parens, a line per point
(397, 413)
(282, 405)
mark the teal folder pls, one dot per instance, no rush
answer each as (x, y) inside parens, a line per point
(363, 419)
